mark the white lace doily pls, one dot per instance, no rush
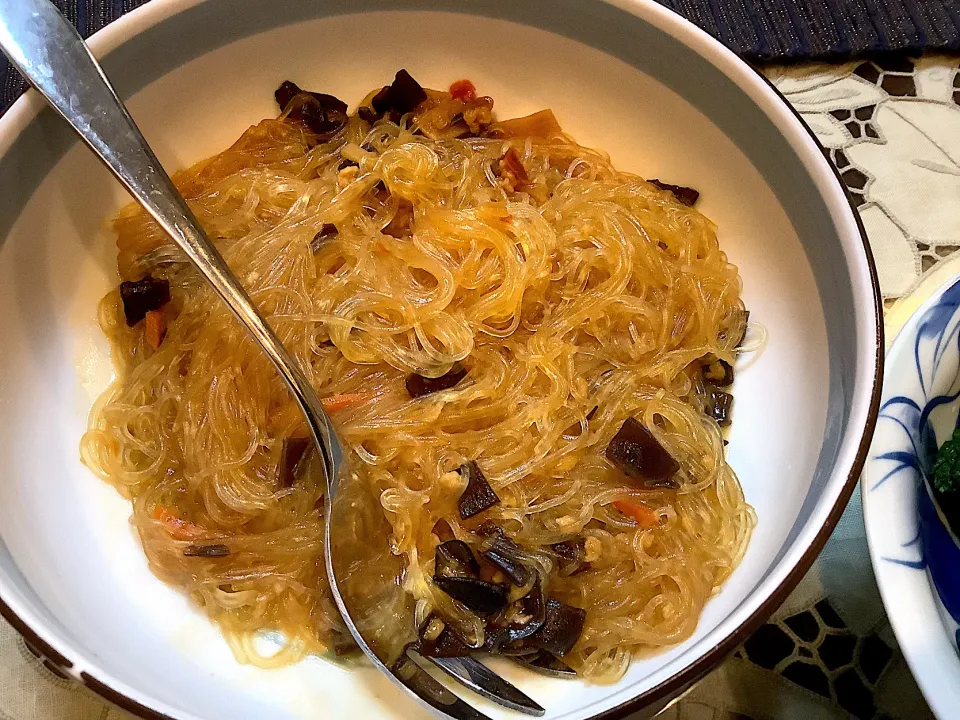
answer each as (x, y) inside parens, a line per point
(893, 129)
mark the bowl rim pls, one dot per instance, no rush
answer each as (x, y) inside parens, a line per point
(811, 152)
(905, 625)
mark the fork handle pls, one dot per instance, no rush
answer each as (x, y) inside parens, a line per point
(49, 53)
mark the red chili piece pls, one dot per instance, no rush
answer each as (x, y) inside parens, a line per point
(463, 90)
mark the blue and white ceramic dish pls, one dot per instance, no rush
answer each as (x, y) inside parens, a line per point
(916, 556)
(629, 76)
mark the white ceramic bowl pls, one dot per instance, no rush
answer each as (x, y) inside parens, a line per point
(916, 557)
(629, 76)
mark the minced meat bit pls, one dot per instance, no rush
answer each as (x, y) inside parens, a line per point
(513, 175)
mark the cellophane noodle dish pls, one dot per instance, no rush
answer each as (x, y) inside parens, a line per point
(526, 351)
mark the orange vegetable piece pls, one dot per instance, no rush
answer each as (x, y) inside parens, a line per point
(335, 403)
(179, 528)
(644, 516)
(155, 327)
(463, 90)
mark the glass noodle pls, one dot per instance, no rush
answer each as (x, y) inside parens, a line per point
(582, 298)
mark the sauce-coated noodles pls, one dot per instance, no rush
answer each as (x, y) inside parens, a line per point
(574, 297)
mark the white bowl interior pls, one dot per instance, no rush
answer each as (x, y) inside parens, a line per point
(74, 565)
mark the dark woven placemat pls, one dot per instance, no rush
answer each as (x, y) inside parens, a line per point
(758, 30)
(785, 30)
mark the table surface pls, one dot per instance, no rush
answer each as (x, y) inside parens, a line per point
(893, 130)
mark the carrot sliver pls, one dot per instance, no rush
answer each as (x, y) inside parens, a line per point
(178, 527)
(638, 511)
(335, 403)
(155, 327)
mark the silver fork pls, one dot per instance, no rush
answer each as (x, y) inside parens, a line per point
(50, 54)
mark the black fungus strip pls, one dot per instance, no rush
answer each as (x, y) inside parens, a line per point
(547, 664)
(455, 559)
(533, 609)
(447, 644)
(507, 631)
(504, 553)
(368, 114)
(478, 495)
(404, 94)
(720, 403)
(289, 90)
(207, 551)
(141, 296)
(518, 573)
(490, 529)
(561, 628)
(286, 92)
(418, 385)
(687, 196)
(513, 650)
(381, 101)
(330, 102)
(324, 120)
(638, 454)
(482, 597)
(291, 453)
(570, 555)
(746, 319)
(718, 372)
(442, 529)
(325, 114)
(329, 230)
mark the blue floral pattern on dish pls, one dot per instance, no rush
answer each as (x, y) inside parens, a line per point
(929, 412)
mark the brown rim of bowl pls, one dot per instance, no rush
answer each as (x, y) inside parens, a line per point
(672, 686)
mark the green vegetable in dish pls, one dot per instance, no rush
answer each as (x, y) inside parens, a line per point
(946, 469)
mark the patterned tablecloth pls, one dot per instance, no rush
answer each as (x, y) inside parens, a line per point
(893, 130)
